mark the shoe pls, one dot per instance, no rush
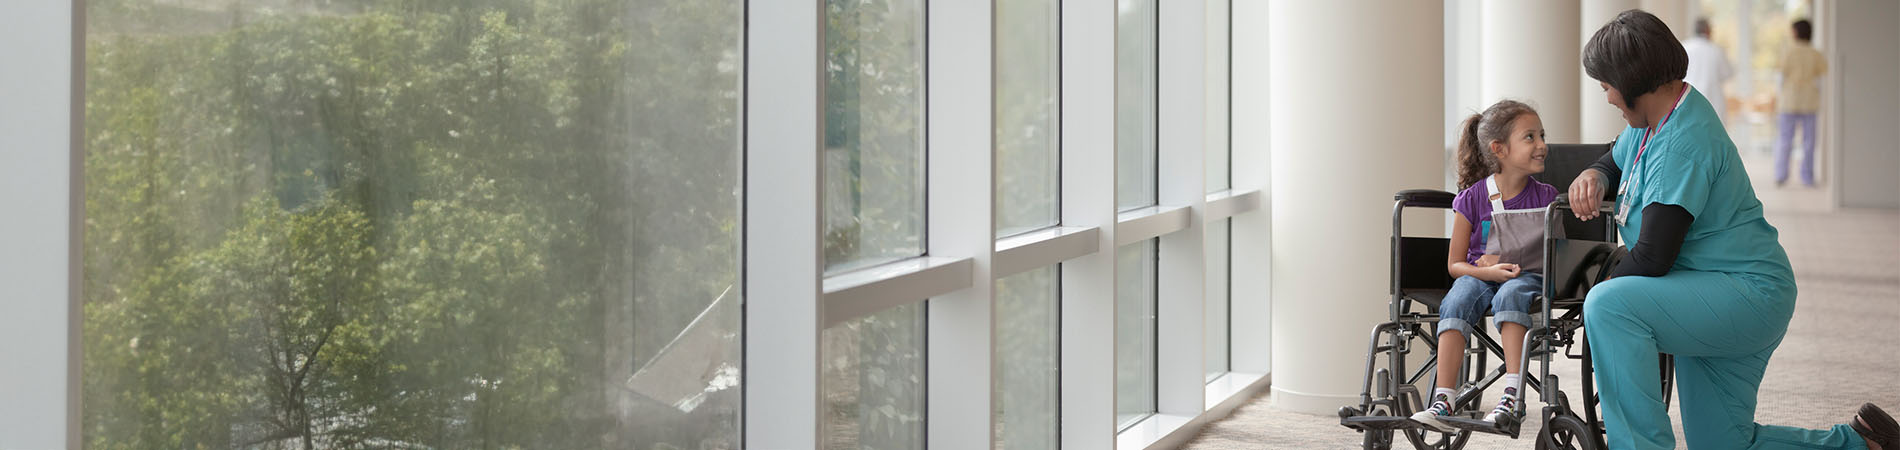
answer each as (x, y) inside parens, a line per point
(1507, 405)
(1429, 417)
(1876, 427)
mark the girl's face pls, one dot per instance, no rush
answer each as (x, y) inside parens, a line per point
(1524, 150)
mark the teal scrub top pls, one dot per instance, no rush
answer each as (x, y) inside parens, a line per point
(1692, 163)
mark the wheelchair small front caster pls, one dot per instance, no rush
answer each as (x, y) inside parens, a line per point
(1567, 432)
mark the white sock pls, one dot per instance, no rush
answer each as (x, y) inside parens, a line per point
(1513, 384)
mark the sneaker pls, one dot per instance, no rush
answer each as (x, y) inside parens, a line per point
(1506, 405)
(1430, 417)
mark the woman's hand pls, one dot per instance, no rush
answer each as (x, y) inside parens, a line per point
(1586, 194)
(1498, 273)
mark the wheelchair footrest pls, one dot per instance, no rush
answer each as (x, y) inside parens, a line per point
(1507, 425)
(1364, 423)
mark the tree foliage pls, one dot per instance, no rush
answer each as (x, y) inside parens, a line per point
(406, 224)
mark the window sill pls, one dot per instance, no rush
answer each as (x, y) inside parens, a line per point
(1048, 246)
(866, 291)
(1141, 224)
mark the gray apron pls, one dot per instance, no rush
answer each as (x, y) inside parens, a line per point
(1516, 235)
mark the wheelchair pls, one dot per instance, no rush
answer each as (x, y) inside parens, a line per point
(1574, 262)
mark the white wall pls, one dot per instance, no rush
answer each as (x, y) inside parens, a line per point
(1868, 66)
(35, 240)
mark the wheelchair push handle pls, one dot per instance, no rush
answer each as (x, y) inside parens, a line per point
(1608, 205)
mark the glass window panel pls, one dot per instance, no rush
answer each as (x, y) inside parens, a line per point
(1219, 298)
(1135, 331)
(874, 381)
(1135, 97)
(1219, 101)
(494, 224)
(1027, 125)
(1028, 334)
(874, 132)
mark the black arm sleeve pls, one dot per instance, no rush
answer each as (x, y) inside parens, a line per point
(1664, 228)
(1607, 166)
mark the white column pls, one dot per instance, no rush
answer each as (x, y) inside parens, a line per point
(1088, 200)
(39, 263)
(1347, 135)
(1180, 379)
(1679, 15)
(961, 198)
(783, 260)
(1530, 55)
(1601, 121)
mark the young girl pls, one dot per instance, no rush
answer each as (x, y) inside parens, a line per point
(1498, 151)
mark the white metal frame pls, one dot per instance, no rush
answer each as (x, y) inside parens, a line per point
(784, 311)
(39, 184)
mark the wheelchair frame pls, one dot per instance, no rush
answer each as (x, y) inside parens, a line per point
(1389, 395)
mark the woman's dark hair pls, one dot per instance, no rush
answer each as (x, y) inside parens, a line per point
(1635, 53)
(1475, 160)
(1803, 30)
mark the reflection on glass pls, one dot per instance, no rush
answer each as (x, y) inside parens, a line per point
(1135, 331)
(330, 224)
(874, 132)
(1026, 121)
(1219, 298)
(1135, 96)
(1028, 327)
(874, 381)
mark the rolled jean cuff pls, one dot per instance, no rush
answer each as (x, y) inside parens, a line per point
(1518, 317)
(1452, 323)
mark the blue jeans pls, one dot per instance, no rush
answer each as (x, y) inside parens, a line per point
(1470, 298)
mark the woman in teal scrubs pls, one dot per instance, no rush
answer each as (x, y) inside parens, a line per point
(1706, 278)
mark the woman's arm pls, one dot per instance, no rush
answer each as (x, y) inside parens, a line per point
(1586, 192)
(1658, 243)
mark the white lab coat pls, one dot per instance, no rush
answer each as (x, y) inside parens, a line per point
(1708, 69)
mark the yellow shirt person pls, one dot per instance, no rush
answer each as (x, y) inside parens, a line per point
(1801, 70)
(1800, 98)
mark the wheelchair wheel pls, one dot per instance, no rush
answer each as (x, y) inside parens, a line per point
(1567, 432)
(1377, 439)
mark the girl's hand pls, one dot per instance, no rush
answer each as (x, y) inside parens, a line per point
(1498, 273)
(1487, 261)
(1586, 194)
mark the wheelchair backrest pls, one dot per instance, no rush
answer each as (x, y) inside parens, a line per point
(1561, 166)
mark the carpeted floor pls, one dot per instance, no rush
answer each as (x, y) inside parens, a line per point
(1841, 350)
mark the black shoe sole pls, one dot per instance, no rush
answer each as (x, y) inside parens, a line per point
(1880, 428)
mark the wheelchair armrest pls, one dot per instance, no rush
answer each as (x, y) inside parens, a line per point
(1608, 205)
(1426, 198)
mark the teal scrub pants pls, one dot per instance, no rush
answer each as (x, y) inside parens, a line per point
(1721, 329)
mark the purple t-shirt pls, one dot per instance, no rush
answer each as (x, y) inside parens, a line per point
(1475, 204)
